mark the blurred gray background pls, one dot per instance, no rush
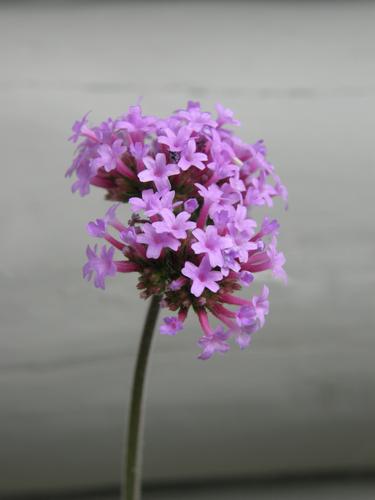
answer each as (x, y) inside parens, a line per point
(301, 401)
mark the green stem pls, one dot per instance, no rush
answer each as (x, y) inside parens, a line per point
(131, 488)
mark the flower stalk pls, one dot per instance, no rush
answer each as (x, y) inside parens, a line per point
(192, 186)
(131, 487)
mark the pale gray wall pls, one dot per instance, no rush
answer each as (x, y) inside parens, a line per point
(300, 75)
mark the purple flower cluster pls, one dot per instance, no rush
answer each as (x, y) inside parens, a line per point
(191, 185)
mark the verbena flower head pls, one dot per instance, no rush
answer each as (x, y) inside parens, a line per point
(192, 186)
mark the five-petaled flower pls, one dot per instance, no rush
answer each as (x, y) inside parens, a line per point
(158, 171)
(202, 276)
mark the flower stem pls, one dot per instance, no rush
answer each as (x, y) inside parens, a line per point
(131, 488)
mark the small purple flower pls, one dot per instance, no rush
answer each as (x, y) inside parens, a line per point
(97, 229)
(202, 276)
(129, 235)
(175, 225)
(172, 325)
(102, 265)
(175, 141)
(247, 319)
(212, 194)
(242, 222)
(221, 149)
(277, 261)
(82, 184)
(196, 118)
(135, 123)
(214, 342)
(190, 158)
(250, 317)
(237, 184)
(241, 243)
(230, 263)
(225, 116)
(222, 217)
(152, 203)
(281, 190)
(269, 227)
(221, 167)
(246, 278)
(230, 195)
(243, 339)
(191, 205)
(157, 171)
(110, 215)
(139, 150)
(156, 241)
(259, 193)
(210, 243)
(149, 202)
(109, 156)
(261, 305)
(78, 127)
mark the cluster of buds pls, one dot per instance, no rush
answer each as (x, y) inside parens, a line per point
(191, 185)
